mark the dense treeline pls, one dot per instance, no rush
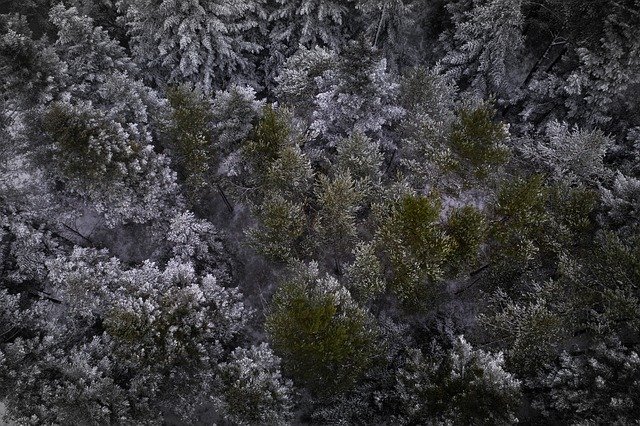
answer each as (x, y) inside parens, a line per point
(320, 212)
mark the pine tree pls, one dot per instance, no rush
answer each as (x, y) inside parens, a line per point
(389, 25)
(206, 43)
(416, 247)
(306, 24)
(297, 86)
(255, 391)
(30, 69)
(100, 129)
(486, 47)
(572, 155)
(324, 338)
(598, 385)
(190, 140)
(234, 112)
(460, 386)
(339, 200)
(129, 344)
(349, 99)
(114, 167)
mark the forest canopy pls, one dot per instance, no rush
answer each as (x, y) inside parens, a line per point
(271, 212)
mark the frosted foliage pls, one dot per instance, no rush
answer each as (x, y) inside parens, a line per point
(600, 386)
(623, 200)
(272, 212)
(391, 24)
(189, 236)
(98, 70)
(25, 86)
(355, 99)
(165, 329)
(309, 22)
(64, 385)
(297, 84)
(486, 44)
(175, 317)
(462, 385)
(127, 182)
(605, 72)
(29, 251)
(202, 42)
(572, 154)
(233, 113)
(255, 391)
(118, 171)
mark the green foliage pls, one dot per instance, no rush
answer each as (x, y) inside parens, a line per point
(423, 93)
(283, 225)
(520, 220)
(78, 150)
(338, 199)
(417, 247)
(266, 140)
(468, 228)
(605, 286)
(361, 157)
(191, 137)
(532, 326)
(323, 337)
(478, 140)
(364, 275)
(290, 173)
(572, 209)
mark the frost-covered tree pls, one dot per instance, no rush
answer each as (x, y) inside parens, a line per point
(30, 69)
(486, 47)
(592, 74)
(325, 339)
(311, 22)
(572, 155)
(255, 391)
(206, 43)
(335, 98)
(428, 100)
(306, 23)
(233, 114)
(109, 165)
(532, 325)
(355, 99)
(129, 344)
(622, 202)
(596, 386)
(98, 130)
(297, 78)
(197, 241)
(462, 385)
(389, 25)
